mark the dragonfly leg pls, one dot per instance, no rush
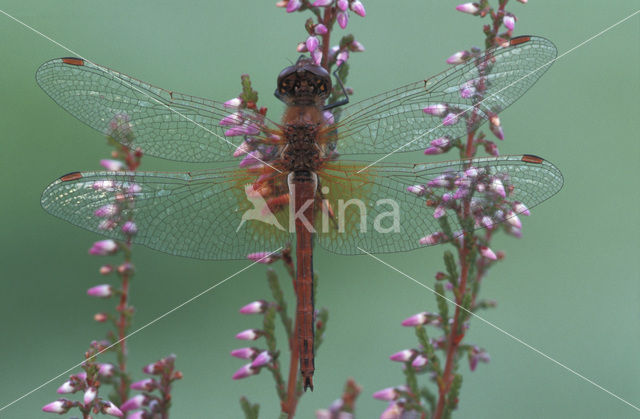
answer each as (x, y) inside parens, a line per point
(344, 91)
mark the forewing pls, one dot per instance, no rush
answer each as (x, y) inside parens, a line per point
(395, 120)
(382, 189)
(202, 215)
(165, 124)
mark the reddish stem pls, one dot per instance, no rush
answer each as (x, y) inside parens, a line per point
(122, 330)
(454, 337)
(327, 21)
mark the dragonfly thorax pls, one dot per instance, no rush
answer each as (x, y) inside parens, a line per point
(301, 151)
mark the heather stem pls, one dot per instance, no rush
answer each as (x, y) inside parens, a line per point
(326, 38)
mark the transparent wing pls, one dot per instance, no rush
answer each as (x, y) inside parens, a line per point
(395, 218)
(204, 215)
(480, 88)
(167, 124)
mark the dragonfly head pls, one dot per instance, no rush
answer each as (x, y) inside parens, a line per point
(303, 83)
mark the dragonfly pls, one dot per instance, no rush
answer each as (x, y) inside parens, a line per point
(293, 184)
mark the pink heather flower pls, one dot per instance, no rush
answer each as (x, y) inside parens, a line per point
(293, 5)
(322, 3)
(466, 91)
(430, 240)
(393, 411)
(323, 414)
(112, 165)
(438, 212)
(233, 103)
(130, 228)
(417, 189)
(486, 221)
(100, 317)
(515, 232)
(101, 291)
(302, 47)
(59, 406)
(262, 359)
(103, 184)
(232, 119)
(103, 248)
(440, 142)
(249, 334)
(417, 319)
(461, 192)
(450, 119)
(111, 409)
(433, 150)
(356, 46)
(491, 148)
(523, 1)
(106, 269)
(487, 253)
(66, 387)
(317, 56)
(509, 21)
(328, 117)
(403, 356)
(497, 131)
(261, 257)
(521, 208)
(106, 224)
(242, 149)
(358, 8)
(106, 370)
(244, 372)
(320, 29)
(106, 210)
(343, 18)
(439, 182)
(312, 43)
(471, 172)
(147, 384)
(343, 5)
(389, 394)
(342, 57)
(255, 307)
(471, 8)
(497, 187)
(138, 414)
(459, 57)
(238, 130)
(476, 355)
(89, 395)
(136, 402)
(514, 220)
(436, 110)
(252, 159)
(154, 368)
(419, 362)
(244, 353)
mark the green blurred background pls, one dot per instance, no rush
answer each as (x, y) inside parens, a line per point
(570, 287)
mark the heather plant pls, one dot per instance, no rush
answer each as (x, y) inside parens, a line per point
(440, 335)
(117, 214)
(440, 345)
